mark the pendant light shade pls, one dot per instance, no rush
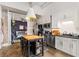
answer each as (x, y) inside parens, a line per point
(31, 14)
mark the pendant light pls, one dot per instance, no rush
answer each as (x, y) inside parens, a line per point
(31, 14)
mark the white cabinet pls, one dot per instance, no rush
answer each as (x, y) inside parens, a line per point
(59, 43)
(78, 48)
(63, 44)
(67, 45)
(74, 47)
(44, 19)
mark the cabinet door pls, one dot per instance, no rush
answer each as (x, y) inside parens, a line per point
(74, 47)
(59, 43)
(77, 48)
(70, 46)
(66, 45)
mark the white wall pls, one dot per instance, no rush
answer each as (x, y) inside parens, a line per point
(1, 34)
(67, 26)
(17, 5)
(61, 11)
(66, 12)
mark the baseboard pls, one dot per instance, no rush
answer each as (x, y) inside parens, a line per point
(6, 44)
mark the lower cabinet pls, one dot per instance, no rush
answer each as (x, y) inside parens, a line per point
(74, 47)
(67, 45)
(59, 43)
(77, 48)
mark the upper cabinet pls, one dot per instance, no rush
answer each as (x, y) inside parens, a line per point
(44, 19)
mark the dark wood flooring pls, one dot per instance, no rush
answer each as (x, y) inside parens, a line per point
(15, 51)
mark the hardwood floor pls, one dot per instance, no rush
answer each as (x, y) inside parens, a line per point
(15, 51)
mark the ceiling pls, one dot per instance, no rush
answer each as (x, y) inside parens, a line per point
(41, 4)
(14, 10)
(25, 4)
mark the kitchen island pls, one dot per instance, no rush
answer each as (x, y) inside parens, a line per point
(68, 44)
(31, 44)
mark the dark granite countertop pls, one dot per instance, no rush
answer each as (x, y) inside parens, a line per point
(70, 36)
